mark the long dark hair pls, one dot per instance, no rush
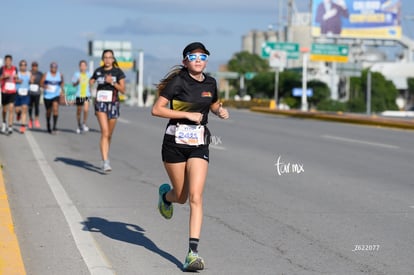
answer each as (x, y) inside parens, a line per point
(170, 75)
(115, 63)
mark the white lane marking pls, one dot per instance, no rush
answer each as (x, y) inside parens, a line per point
(123, 120)
(93, 257)
(217, 147)
(361, 142)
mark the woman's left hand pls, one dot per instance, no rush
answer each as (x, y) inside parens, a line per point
(222, 112)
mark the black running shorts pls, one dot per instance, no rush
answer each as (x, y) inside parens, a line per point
(174, 154)
(7, 98)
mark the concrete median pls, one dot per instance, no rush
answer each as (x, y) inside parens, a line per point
(372, 120)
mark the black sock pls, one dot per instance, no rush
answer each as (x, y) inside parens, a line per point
(48, 123)
(55, 118)
(165, 199)
(194, 244)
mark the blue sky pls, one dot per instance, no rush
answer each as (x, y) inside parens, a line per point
(160, 28)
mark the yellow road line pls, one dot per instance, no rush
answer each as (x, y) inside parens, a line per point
(11, 262)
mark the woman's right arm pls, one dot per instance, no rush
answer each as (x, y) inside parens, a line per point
(160, 109)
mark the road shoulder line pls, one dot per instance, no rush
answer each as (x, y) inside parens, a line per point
(11, 261)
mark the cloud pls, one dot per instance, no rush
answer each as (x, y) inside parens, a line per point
(148, 26)
(184, 6)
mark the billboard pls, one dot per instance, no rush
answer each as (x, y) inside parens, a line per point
(365, 19)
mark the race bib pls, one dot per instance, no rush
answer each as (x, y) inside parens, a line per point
(51, 88)
(104, 96)
(23, 91)
(10, 86)
(34, 88)
(189, 134)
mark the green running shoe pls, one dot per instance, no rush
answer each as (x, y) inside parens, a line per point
(165, 210)
(193, 262)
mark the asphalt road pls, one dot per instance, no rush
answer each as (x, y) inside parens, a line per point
(283, 196)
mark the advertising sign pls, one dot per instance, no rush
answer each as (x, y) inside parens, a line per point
(366, 19)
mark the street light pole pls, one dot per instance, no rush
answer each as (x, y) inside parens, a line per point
(304, 105)
(276, 86)
(140, 101)
(369, 79)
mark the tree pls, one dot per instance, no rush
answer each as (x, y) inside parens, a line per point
(383, 92)
(244, 62)
(320, 92)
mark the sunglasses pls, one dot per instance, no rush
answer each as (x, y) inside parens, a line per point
(23, 65)
(193, 56)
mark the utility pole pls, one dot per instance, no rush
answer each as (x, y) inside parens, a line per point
(289, 20)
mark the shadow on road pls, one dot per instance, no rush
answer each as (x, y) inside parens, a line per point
(80, 163)
(129, 233)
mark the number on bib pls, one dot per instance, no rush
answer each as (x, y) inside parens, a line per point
(10, 86)
(23, 91)
(34, 88)
(189, 134)
(104, 96)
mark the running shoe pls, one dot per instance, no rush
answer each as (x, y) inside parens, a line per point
(193, 262)
(37, 123)
(78, 130)
(10, 130)
(85, 128)
(165, 210)
(3, 128)
(30, 124)
(106, 167)
(22, 129)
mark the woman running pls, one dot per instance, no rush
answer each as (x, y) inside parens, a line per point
(8, 77)
(53, 87)
(111, 81)
(23, 98)
(81, 80)
(34, 91)
(191, 94)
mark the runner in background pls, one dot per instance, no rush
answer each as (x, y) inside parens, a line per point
(34, 91)
(22, 98)
(8, 77)
(111, 81)
(81, 80)
(53, 87)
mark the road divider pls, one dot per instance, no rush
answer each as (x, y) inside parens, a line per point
(372, 120)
